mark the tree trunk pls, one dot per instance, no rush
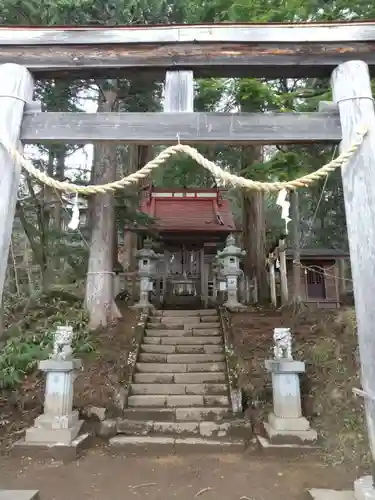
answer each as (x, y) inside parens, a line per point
(130, 238)
(138, 157)
(57, 203)
(254, 228)
(99, 299)
(255, 241)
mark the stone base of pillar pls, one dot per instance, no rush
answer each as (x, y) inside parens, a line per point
(363, 490)
(51, 450)
(290, 431)
(299, 424)
(19, 495)
(142, 305)
(52, 430)
(234, 306)
(326, 494)
(289, 450)
(53, 437)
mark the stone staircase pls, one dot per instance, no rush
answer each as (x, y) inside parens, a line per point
(179, 398)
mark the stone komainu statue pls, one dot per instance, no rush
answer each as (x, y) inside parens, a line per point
(62, 343)
(282, 338)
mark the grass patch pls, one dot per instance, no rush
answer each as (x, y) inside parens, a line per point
(30, 338)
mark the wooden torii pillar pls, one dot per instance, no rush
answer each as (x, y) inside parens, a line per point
(351, 86)
(17, 87)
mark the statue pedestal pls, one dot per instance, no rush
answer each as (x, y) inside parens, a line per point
(286, 425)
(56, 430)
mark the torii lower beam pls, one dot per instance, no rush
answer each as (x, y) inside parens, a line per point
(192, 128)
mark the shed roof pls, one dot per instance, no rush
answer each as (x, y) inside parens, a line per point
(189, 210)
(318, 253)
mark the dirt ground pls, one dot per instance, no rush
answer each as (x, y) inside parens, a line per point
(102, 476)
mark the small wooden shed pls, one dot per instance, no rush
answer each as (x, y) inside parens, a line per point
(321, 273)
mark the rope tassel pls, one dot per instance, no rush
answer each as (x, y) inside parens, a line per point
(285, 206)
(74, 221)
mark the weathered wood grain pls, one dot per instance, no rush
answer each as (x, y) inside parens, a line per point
(351, 87)
(192, 128)
(193, 33)
(16, 89)
(219, 59)
(276, 50)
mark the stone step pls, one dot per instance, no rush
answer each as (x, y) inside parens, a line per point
(209, 319)
(182, 349)
(196, 332)
(216, 413)
(199, 378)
(207, 324)
(218, 366)
(173, 388)
(177, 401)
(180, 358)
(213, 340)
(181, 320)
(163, 400)
(207, 429)
(169, 326)
(173, 332)
(184, 312)
(169, 445)
(180, 378)
(167, 333)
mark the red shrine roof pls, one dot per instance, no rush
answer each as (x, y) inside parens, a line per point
(181, 210)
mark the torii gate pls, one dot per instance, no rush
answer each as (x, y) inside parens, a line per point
(345, 51)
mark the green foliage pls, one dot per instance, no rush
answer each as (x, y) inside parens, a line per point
(30, 338)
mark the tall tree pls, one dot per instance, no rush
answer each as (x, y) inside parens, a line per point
(99, 298)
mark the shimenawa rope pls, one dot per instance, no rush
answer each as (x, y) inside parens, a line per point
(215, 170)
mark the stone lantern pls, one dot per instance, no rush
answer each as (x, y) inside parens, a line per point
(147, 259)
(230, 258)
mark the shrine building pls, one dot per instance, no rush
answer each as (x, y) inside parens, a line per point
(191, 225)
